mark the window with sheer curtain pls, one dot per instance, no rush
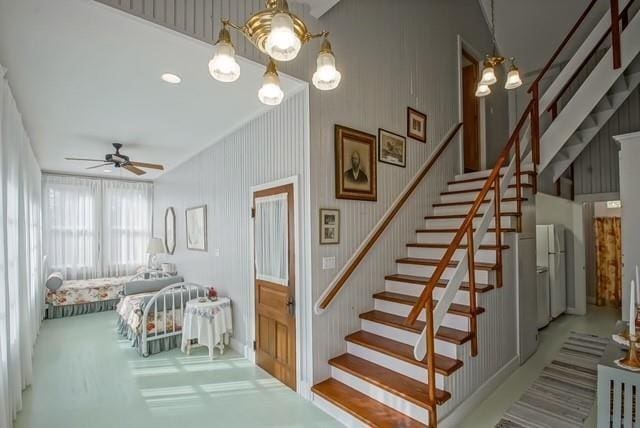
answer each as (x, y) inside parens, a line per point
(95, 227)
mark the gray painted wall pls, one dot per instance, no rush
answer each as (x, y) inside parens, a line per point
(391, 57)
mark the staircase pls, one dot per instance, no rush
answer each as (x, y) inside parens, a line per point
(378, 381)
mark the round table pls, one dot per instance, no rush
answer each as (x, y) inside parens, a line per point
(209, 322)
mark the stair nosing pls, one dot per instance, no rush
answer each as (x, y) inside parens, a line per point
(486, 201)
(457, 192)
(455, 216)
(422, 281)
(453, 263)
(469, 180)
(407, 300)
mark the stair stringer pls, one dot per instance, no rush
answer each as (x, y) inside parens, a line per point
(589, 95)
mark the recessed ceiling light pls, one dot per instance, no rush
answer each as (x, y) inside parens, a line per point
(171, 78)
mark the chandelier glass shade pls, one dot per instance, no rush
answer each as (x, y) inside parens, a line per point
(483, 90)
(513, 77)
(280, 35)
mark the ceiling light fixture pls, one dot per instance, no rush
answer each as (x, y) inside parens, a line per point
(171, 78)
(492, 61)
(279, 34)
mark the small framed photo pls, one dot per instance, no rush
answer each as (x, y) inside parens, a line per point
(196, 218)
(392, 148)
(355, 165)
(329, 226)
(416, 125)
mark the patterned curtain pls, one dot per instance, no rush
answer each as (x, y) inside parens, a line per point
(608, 260)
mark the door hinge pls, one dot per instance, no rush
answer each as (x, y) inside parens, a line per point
(253, 213)
(254, 345)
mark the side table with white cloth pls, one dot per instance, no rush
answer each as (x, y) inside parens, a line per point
(209, 322)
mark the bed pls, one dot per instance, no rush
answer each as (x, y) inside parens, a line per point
(152, 321)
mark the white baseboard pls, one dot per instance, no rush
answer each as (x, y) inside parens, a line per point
(455, 418)
(239, 347)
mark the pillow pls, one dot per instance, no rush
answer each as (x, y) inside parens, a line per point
(54, 281)
(149, 285)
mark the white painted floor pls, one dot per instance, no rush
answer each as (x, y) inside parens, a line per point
(599, 321)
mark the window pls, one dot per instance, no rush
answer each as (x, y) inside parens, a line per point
(95, 227)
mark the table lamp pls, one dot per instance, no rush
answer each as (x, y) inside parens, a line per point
(156, 246)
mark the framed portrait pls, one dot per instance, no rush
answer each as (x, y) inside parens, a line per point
(392, 148)
(196, 218)
(329, 226)
(170, 230)
(416, 125)
(356, 176)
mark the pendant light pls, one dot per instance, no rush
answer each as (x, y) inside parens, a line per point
(282, 43)
(491, 62)
(223, 66)
(326, 77)
(270, 93)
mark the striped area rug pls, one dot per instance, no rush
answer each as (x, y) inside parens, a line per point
(565, 392)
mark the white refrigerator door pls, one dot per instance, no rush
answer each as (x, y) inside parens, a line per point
(543, 298)
(557, 284)
(542, 245)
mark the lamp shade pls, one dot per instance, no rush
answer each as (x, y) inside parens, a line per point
(156, 246)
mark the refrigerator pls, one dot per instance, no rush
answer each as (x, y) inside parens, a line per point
(550, 249)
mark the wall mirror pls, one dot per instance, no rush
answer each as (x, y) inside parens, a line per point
(170, 230)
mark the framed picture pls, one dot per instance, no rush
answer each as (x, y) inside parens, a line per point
(170, 230)
(392, 148)
(329, 226)
(416, 125)
(356, 176)
(197, 228)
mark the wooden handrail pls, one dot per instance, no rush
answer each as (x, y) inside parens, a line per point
(560, 48)
(366, 246)
(468, 221)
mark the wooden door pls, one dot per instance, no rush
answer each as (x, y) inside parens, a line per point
(470, 111)
(274, 254)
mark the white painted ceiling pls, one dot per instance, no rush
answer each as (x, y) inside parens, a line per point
(531, 30)
(85, 75)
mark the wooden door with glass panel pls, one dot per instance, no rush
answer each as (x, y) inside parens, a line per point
(275, 283)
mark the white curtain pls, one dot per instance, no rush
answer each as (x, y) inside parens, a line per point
(272, 239)
(95, 227)
(20, 255)
(71, 224)
(126, 226)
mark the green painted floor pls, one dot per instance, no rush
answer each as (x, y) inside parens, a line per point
(86, 376)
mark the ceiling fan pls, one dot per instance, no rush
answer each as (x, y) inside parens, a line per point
(119, 160)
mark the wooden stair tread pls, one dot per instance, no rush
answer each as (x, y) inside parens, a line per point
(482, 247)
(362, 407)
(444, 365)
(450, 216)
(457, 192)
(423, 280)
(486, 201)
(447, 230)
(389, 380)
(404, 299)
(436, 262)
(446, 334)
(469, 180)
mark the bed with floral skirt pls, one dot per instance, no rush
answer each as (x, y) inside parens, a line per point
(77, 297)
(152, 322)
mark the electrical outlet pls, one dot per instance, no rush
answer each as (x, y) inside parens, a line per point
(328, 263)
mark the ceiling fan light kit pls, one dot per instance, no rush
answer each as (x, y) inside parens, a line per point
(279, 34)
(492, 61)
(118, 160)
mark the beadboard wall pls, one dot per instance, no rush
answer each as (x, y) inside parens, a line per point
(391, 57)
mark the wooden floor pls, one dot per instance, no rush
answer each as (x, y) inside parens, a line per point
(85, 376)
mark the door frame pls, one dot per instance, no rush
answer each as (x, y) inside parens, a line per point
(463, 45)
(302, 314)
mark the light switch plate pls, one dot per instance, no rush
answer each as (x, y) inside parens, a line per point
(328, 263)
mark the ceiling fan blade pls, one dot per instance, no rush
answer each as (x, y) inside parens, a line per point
(131, 168)
(147, 165)
(82, 159)
(99, 166)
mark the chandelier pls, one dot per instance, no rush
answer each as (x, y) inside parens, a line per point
(491, 62)
(279, 34)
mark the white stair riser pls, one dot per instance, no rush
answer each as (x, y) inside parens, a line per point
(507, 206)
(470, 196)
(383, 396)
(487, 172)
(450, 320)
(447, 237)
(410, 370)
(407, 337)
(461, 297)
(482, 276)
(476, 185)
(483, 256)
(508, 221)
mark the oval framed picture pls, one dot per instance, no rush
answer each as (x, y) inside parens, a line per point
(170, 230)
